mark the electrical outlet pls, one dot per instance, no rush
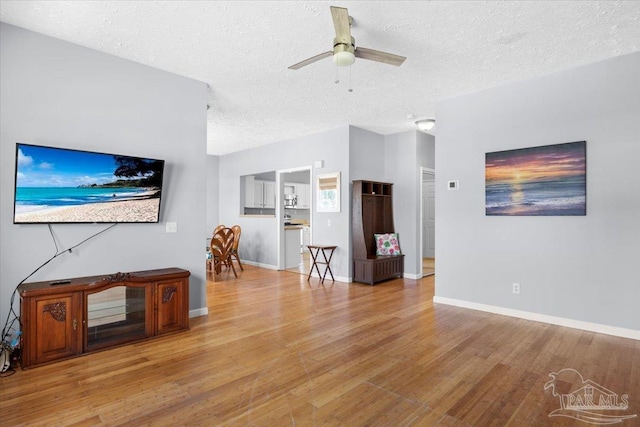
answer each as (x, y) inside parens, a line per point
(516, 288)
(329, 223)
(172, 227)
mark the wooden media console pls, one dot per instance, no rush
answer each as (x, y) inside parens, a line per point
(68, 318)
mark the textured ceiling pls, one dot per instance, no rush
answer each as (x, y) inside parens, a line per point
(242, 50)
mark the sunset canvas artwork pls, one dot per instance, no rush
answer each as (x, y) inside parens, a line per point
(547, 180)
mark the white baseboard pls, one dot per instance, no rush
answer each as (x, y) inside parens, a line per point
(258, 264)
(544, 318)
(411, 276)
(314, 274)
(203, 311)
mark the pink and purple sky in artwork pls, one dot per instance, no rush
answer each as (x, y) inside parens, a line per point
(545, 163)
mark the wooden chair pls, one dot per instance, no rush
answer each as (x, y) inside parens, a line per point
(237, 231)
(221, 247)
(215, 230)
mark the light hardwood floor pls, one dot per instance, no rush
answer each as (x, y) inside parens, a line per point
(276, 350)
(428, 266)
(304, 265)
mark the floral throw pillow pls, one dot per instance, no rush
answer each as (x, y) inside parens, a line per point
(387, 244)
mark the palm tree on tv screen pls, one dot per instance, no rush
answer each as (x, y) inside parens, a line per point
(149, 171)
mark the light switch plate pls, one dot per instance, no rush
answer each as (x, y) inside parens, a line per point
(172, 227)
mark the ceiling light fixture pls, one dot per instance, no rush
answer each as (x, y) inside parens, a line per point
(344, 59)
(344, 53)
(426, 124)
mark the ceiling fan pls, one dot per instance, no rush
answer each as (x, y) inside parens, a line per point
(344, 46)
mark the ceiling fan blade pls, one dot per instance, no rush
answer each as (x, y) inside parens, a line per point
(340, 17)
(311, 60)
(376, 55)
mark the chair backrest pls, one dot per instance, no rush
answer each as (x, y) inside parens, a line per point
(222, 243)
(218, 228)
(237, 231)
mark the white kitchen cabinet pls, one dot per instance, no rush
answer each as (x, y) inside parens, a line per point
(302, 190)
(305, 239)
(289, 189)
(292, 247)
(269, 194)
(259, 193)
(249, 192)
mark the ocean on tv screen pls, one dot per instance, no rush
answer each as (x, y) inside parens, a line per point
(58, 185)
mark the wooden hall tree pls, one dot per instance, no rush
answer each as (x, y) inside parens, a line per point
(372, 213)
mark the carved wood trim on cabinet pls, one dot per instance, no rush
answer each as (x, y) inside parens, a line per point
(58, 317)
(169, 307)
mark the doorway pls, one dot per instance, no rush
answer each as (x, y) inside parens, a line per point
(428, 221)
(294, 226)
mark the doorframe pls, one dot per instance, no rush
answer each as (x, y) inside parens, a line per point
(423, 171)
(280, 209)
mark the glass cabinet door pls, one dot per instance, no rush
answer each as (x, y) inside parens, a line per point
(117, 314)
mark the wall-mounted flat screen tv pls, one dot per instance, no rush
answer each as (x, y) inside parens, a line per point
(60, 185)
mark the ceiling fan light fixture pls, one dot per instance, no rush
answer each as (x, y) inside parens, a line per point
(344, 46)
(344, 58)
(426, 124)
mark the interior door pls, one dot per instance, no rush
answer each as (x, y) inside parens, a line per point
(300, 179)
(429, 222)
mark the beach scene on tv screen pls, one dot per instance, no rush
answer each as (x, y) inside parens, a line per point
(55, 185)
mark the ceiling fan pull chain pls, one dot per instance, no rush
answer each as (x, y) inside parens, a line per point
(350, 89)
(337, 80)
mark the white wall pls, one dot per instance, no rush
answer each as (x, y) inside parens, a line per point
(426, 150)
(357, 154)
(59, 94)
(366, 155)
(213, 195)
(581, 268)
(396, 158)
(259, 235)
(405, 154)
